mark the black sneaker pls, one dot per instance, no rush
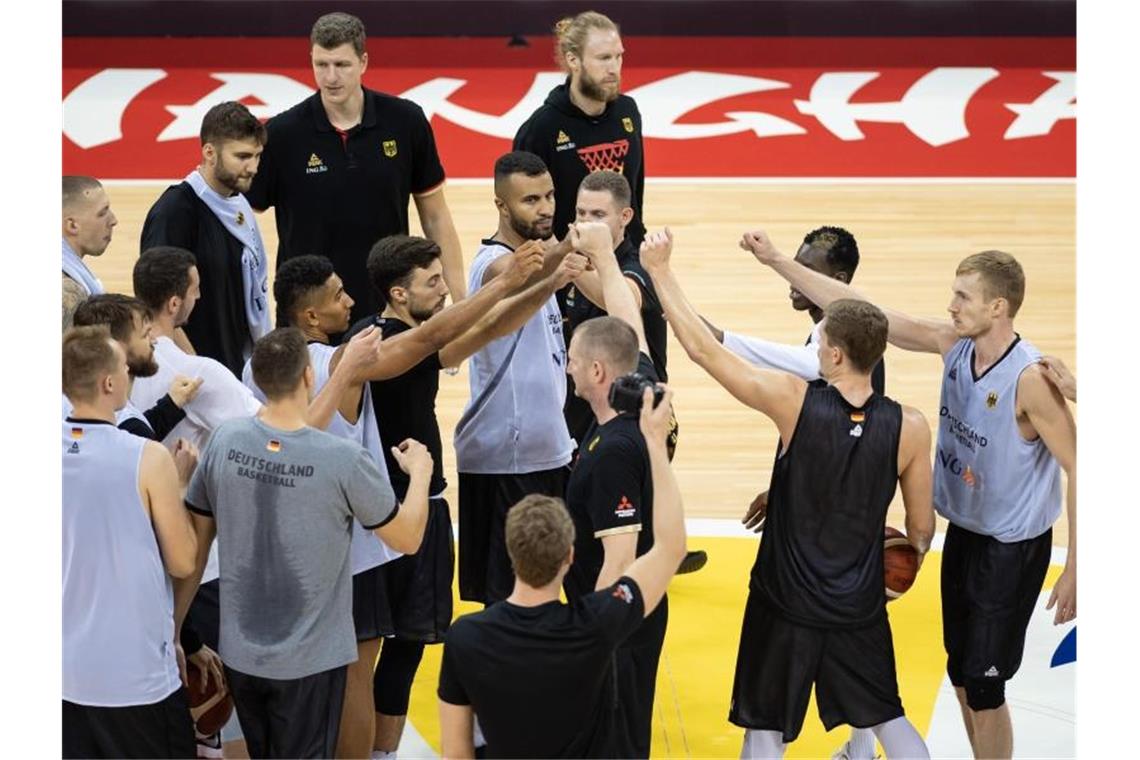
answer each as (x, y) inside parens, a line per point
(693, 562)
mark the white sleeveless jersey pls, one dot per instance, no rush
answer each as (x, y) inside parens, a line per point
(987, 478)
(128, 412)
(513, 423)
(367, 550)
(118, 602)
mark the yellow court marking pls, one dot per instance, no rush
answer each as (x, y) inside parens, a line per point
(695, 676)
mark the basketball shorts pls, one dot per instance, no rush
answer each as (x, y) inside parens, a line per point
(485, 573)
(418, 586)
(635, 668)
(371, 613)
(297, 717)
(778, 661)
(163, 729)
(989, 590)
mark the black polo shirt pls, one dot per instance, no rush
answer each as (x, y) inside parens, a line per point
(335, 194)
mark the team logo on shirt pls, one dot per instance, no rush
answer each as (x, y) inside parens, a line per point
(240, 219)
(389, 147)
(273, 445)
(991, 400)
(858, 417)
(316, 165)
(625, 508)
(563, 137)
(856, 432)
(77, 433)
(594, 443)
(621, 591)
(968, 477)
(627, 123)
(74, 448)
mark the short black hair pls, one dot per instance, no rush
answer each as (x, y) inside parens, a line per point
(161, 273)
(230, 120)
(518, 162)
(839, 245)
(393, 259)
(114, 310)
(295, 280)
(279, 360)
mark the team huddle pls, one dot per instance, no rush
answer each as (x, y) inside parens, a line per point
(258, 499)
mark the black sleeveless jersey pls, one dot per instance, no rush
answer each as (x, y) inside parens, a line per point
(821, 558)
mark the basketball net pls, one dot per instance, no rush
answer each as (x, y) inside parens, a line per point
(605, 156)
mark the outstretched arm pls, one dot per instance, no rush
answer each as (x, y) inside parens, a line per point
(910, 333)
(776, 394)
(511, 314)
(595, 241)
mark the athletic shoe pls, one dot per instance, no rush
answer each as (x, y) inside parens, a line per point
(693, 562)
(209, 746)
(842, 753)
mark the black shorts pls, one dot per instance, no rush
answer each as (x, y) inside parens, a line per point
(205, 614)
(162, 729)
(418, 586)
(778, 661)
(636, 673)
(485, 573)
(989, 590)
(297, 717)
(371, 615)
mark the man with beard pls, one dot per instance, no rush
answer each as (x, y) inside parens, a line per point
(88, 222)
(407, 273)
(208, 215)
(511, 440)
(128, 319)
(586, 124)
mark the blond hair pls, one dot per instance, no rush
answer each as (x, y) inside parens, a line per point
(1001, 275)
(539, 535)
(570, 34)
(88, 357)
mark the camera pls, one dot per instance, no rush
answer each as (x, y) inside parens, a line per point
(627, 390)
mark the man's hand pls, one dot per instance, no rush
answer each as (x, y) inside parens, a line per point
(527, 259)
(757, 513)
(655, 422)
(1064, 596)
(592, 239)
(553, 245)
(572, 265)
(183, 389)
(206, 660)
(760, 246)
(185, 460)
(1059, 375)
(413, 457)
(360, 352)
(656, 249)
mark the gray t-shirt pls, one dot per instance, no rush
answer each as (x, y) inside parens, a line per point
(284, 502)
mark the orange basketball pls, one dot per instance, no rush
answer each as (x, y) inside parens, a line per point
(900, 563)
(211, 709)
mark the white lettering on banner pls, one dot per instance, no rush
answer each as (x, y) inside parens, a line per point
(276, 92)
(933, 109)
(1037, 118)
(663, 102)
(93, 111)
(433, 98)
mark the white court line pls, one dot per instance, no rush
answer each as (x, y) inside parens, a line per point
(745, 181)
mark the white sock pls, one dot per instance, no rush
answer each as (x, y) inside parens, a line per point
(900, 740)
(762, 745)
(861, 745)
(379, 754)
(477, 739)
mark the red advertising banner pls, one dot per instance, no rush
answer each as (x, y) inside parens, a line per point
(711, 107)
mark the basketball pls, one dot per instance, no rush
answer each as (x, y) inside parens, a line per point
(900, 563)
(210, 709)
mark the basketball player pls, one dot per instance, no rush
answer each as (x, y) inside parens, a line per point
(536, 671)
(311, 297)
(208, 215)
(1004, 429)
(125, 532)
(586, 124)
(340, 166)
(408, 275)
(610, 491)
(816, 611)
(511, 440)
(281, 496)
(128, 319)
(88, 222)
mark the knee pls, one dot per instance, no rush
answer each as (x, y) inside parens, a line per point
(985, 693)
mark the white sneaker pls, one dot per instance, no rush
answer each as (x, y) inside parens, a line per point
(843, 753)
(209, 746)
